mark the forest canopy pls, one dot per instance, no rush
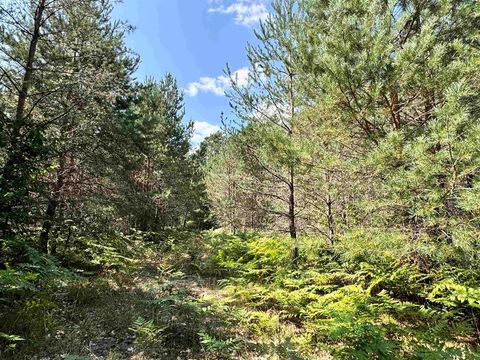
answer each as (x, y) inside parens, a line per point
(335, 216)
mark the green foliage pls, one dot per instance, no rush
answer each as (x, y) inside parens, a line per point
(352, 302)
(358, 135)
(34, 286)
(146, 332)
(102, 253)
(451, 294)
(218, 347)
(10, 341)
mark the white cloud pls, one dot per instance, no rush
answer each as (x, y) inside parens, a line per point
(217, 85)
(207, 84)
(278, 112)
(247, 12)
(241, 76)
(202, 129)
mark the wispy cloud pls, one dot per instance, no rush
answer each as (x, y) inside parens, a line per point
(217, 85)
(246, 12)
(202, 129)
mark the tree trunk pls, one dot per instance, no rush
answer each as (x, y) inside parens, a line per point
(51, 209)
(291, 199)
(429, 105)
(27, 78)
(330, 222)
(395, 110)
(14, 158)
(292, 215)
(47, 224)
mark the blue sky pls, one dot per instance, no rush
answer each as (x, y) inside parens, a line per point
(193, 40)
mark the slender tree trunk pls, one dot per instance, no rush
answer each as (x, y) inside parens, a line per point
(47, 224)
(291, 198)
(330, 222)
(429, 105)
(395, 110)
(69, 237)
(345, 222)
(292, 215)
(51, 209)
(15, 157)
(27, 78)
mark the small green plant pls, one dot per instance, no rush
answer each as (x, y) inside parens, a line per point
(219, 347)
(146, 331)
(10, 340)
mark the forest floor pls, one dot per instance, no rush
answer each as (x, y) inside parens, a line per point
(212, 295)
(156, 312)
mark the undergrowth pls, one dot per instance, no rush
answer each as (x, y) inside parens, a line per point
(347, 301)
(187, 295)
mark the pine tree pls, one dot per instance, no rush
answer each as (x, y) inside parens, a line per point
(268, 106)
(153, 171)
(398, 78)
(75, 66)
